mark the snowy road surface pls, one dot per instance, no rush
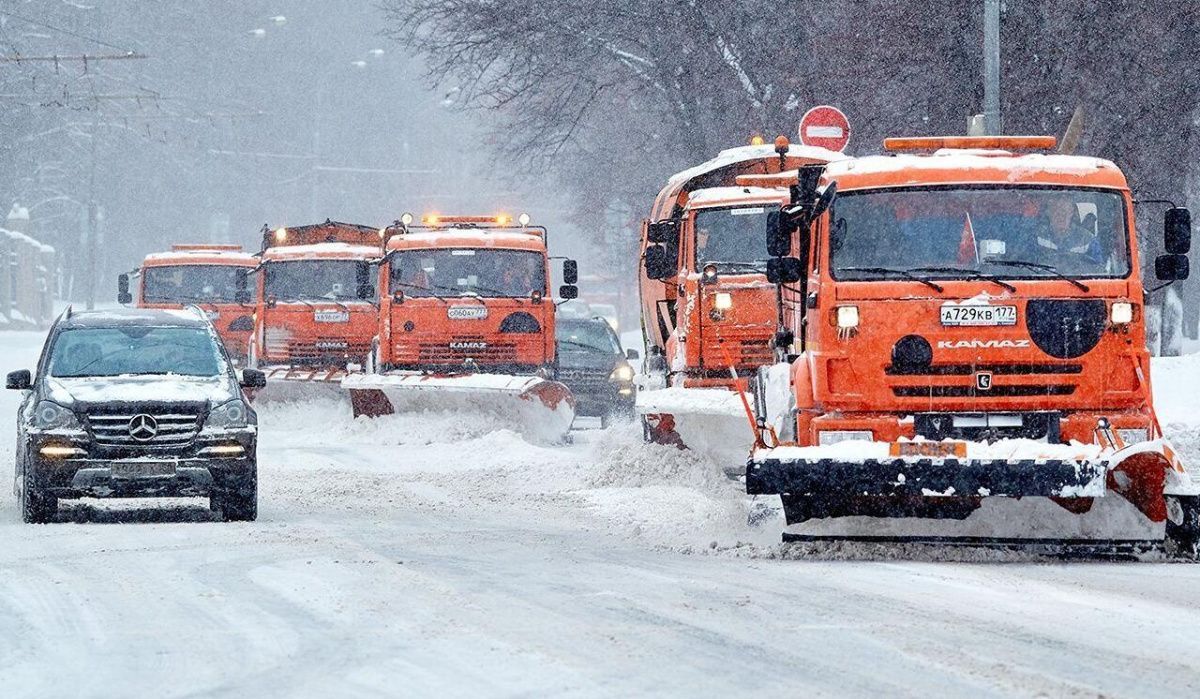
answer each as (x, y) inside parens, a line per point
(419, 556)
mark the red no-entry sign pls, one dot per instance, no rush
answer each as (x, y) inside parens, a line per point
(825, 127)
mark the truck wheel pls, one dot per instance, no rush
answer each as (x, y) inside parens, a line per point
(37, 506)
(236, 501)
(1183, 527)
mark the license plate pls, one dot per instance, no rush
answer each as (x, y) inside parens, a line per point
(331, 316)
(931, 449)
(979, 315)
(466, 312)
(141, 470)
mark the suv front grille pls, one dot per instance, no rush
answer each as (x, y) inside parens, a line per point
(172, 429)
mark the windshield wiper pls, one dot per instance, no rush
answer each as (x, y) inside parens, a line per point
(1038, 265)
(580, 344)
(974, 273)
(756, 266)
(894, 270)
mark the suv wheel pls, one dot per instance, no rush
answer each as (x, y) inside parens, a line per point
(37, 506)
(237, 500)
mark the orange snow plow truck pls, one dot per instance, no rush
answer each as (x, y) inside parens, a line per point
(964, 324)
(466, 323)
(708, 312)
(213, 277)
(317, 307)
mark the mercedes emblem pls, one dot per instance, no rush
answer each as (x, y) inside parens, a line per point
(143, 428)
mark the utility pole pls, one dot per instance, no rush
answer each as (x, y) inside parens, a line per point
(992, 123)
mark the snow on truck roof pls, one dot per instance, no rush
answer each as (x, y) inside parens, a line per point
(957, 166)
(321, 251)
(725, 196)
(741, 154)
(468, 238)
(200, 255)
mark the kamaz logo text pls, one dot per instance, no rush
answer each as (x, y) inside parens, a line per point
(983, 344)
(468, 345)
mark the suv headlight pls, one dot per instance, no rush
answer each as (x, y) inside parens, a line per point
(48, 415)
(228, 416)
(623, 373)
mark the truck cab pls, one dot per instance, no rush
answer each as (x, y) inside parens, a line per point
(214, 277)
(317, 303)
(468, 294)
(956, 296)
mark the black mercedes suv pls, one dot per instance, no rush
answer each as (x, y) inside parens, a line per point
(591, 364)
(135, 403)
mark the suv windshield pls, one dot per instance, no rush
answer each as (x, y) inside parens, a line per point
(468, 271)
(190, 283)
(1008, 232)
(592, 335)
(134, 349)
(333, 280)
(732, 238)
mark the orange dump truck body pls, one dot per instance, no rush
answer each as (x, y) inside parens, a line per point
(316, 297)
(466, 292)
(206, 276)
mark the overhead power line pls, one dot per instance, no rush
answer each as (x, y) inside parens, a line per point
(68, 32)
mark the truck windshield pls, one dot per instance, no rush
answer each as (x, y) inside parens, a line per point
(1005, 232)
(468, 272)
(132, 350)
(732, 239)
(330, 280)
(190, 284)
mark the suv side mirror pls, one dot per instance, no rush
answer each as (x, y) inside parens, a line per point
(123, 295)
(1171, 268)
(568, 292)
(1178, 231)
(779, 234)
(253, 378)
(19, 380)
(570, 272)
(632, 354)
(656, 263)
(784, 270)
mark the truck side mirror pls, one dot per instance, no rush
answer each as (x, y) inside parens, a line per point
(664, 231)
(123, 295)
(657, 265)
(1171, 268)
(242, 294)
(570, 272)
(808, 179)
(779, 234)
(363, 288)
(568, 292)
(253, 378)
(19, 380)
(784, 270)
(1178, 231)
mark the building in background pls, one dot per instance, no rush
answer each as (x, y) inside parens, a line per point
(28, 275)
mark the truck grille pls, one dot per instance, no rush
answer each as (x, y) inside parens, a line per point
(584, 380)
(170, 429)
(1016, 391)
(444, 354)
(317, 350)
(997, 369)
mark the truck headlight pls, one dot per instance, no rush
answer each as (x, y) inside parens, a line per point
(827, 437)
(1122, 313)
(623, 373)
(723, 301)
(847, 317)
(48, 415)
(227, 416)
(1131, 437)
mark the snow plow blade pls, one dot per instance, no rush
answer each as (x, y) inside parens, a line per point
(711, 421)
(301, 385)
(903, 477)
(535, 407)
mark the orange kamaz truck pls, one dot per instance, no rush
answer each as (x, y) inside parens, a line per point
(317, 307)
(708, 312)
(214, 277)
(963, 323)
(466, 322)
